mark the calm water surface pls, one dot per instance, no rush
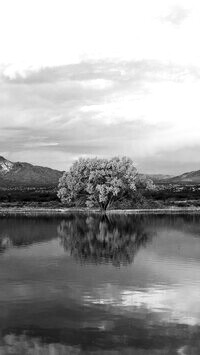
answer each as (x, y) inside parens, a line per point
(100, 285)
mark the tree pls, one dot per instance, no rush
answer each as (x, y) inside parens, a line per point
(98, 181)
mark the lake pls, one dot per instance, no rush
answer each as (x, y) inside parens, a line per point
(91, 284)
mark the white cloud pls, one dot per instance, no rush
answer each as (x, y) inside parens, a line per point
(40, 144)
(97, 84)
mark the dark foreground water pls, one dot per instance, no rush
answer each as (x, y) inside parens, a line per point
(97, 285)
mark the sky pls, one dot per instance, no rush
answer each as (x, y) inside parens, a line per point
(101, 78)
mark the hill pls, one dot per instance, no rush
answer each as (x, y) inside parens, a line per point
(22, 174)
(189, 178)
(159, 177)
(192, 177)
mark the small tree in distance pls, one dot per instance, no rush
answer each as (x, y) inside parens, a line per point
(98, 181)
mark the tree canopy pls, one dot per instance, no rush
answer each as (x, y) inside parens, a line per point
(98, 182)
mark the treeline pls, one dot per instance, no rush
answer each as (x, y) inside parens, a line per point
(178, 195)
(159, 198)
(29, 196)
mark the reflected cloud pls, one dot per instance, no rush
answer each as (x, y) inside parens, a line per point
(178, 304)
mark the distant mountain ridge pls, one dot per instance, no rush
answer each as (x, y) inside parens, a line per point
(20, 174)
(192, 177)
(189, 177)
(159, 177)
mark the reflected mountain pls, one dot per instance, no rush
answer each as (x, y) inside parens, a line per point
(22, 231)
(96, 239)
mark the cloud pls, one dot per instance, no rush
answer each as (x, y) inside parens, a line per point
(136, 108)
(176, 16)
(99, 73)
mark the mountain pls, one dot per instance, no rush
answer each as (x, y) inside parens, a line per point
(26, 175)
(159, 177)
(192, 177)
(186, 178)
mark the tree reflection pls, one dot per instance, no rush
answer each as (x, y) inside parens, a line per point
(104, 239)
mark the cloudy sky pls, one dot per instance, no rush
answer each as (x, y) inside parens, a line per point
(101, 78)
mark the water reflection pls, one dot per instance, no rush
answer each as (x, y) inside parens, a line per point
(26, 345)
(104, 239)
(54, 301)
(22, 232)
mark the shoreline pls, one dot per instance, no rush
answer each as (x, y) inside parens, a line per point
(36, 211)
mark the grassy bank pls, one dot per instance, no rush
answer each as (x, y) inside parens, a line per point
(11, 211)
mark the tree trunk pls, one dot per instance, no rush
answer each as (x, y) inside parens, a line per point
(103, 207)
